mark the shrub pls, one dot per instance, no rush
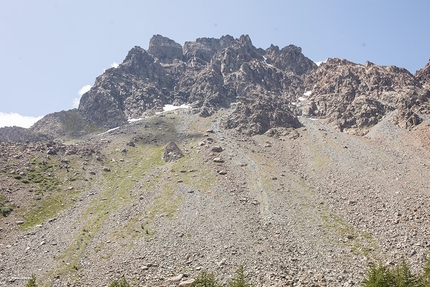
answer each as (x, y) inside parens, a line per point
(398, 276)
(31, 282)
(5, 209)
(121, 283)
(239, 279)
(377, 276)
(425, 277)
(206, 279)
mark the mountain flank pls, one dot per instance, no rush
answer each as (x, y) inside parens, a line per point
(302, 173)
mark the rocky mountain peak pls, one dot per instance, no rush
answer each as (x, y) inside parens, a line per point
(164, 49)
(270, 88)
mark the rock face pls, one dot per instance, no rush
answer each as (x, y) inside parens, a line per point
(209, 74)
(65, 124)
(18, 134)
(355, 97)
(271, 87)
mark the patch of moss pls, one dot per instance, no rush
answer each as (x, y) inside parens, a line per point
(5, 209)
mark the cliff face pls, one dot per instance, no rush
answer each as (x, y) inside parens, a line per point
(272, 87)
(209, 74)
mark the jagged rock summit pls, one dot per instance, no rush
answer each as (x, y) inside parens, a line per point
(271, 87)
(208, 74)
(268, 89)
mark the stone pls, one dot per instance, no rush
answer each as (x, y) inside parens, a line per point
(217, 149)
(187, 283)
(218, 160)
(172, 152)
(176, 278)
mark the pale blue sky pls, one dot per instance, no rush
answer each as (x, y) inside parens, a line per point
(49, 50)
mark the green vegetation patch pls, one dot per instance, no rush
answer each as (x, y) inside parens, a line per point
(48, 207)
(360, 242)
(5, 208)
(43, 174)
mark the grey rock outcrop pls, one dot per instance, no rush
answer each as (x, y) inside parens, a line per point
(164, 49)
(19, 134)
(172, 152)
(355, 97)
(65, 125)
(208, 73)
(272, 87)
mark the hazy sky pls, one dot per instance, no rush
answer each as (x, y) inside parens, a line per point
(51, 50)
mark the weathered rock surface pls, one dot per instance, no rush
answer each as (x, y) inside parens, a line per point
(271, 87)
(64, 125)
(209, 74)
(355, 97)
(19, 134)
(172, 152)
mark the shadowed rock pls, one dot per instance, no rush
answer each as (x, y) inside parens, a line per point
(172, 152)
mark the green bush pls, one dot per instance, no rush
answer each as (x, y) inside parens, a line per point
(425, 277)
(239, 279)
(206, 280)
(5, 209)
(398, 276)
(121, 283)
(31, 282)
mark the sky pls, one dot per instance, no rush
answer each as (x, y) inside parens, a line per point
(52, 51)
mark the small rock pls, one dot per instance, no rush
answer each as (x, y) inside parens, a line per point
(19, 222)
(105, 168)
(217, 149)
(176, 278)
(218, 159)
(222, 172)
(187, 283)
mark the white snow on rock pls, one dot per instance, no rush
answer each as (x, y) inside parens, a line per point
(168, 108)
(307, 94)
(134, 120)
(301, 99)
(108, 131)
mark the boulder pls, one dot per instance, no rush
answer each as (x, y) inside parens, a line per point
(172, 152)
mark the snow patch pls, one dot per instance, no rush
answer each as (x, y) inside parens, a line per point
(307, 94)
(265, 62)
(134, 120)
(108, 131)
(301, 99)
(168, 108)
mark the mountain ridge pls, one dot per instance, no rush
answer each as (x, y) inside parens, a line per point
(211, 73)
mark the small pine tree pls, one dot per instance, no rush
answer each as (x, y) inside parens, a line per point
(239, 279)
(403, 276)
(378, 276)
(425, 277)
(206, 279)
(31, 282)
